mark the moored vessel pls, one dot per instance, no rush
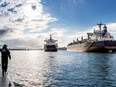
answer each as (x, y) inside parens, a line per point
(50, 44)
(98, 41)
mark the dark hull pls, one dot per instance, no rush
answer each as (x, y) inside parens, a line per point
(99, 46)
(101, 49)
(51, 48)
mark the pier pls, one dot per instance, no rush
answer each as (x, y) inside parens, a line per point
(6, 80)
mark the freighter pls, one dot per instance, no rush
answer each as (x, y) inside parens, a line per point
(50, 44)
(98, 41)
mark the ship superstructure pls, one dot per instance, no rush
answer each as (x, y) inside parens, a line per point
(50, 44)
(98, 41)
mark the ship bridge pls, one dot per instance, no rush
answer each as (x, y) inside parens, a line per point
(50, 41)
(100, 35)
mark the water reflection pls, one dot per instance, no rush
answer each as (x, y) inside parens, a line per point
(100, 70)
(63, 69)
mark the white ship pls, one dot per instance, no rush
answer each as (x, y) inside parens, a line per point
(98, 41)
(50, 44)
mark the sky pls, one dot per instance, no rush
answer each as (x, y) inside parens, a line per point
(27, 23)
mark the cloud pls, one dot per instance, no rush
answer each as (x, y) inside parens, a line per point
(2, 31)
(111, 26)
(22, 22)
(22, 12)
(19, 20)
(5, 30)
(5, 14)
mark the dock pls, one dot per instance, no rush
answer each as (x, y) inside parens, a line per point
(6, 80)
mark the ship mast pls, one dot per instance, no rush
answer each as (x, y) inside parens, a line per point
(99, 25)
(50, 37)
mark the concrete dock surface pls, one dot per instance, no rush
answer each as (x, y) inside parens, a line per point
(6, 80)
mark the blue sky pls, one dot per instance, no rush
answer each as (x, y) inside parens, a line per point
(81, 13)
(26, 23)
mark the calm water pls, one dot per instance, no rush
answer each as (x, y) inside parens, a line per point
(63, 69)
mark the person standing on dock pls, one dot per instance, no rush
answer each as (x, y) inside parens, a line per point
(5, 53)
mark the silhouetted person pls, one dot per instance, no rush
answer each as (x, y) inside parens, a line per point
(5, 53)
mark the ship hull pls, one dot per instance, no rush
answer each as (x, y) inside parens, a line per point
(50, 48)
(99, 46)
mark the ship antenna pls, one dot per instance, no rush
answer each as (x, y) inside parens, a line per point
(99, 25)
